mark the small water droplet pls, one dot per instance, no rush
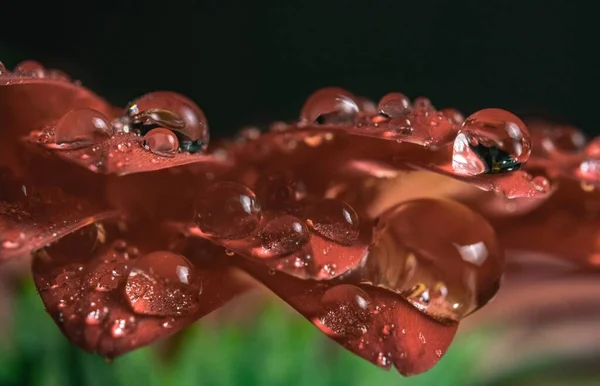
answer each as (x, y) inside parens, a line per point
(384, 361)
(96, 315)
(122, 327)
(229, 252)
(161, 142)
(387, 329)
(491, 141)
(3, 70)
(345, 310)
(192, 127)
(227, 210)
(334, 220)
(30, 68)
(454, 116)
(282, 236)
(163, 283)
(394, 105)
(82, 127)
(106, 283)
(331, 105)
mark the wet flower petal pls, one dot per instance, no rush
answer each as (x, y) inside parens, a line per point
(85, 281)
(371, 322)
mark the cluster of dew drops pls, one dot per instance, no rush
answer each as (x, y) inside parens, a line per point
(275, 223)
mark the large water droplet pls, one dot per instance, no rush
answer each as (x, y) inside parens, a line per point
(82, 127)
(394, 105)
(345, 311)
(282, 236)
(331, 105)
(334, 220)
(443, 257)
(162, 142)
(163, 283)
(169, 109)
(30, 68)
(491, 141)
(228, 210)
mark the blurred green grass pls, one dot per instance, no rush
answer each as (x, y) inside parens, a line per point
(277, 348)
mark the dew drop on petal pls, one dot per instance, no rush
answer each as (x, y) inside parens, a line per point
(30, 68)
(440, 255)
(227, 210)
(120, 328)
(345, 311)
(453, 115)
(3, 70)
(331, 105)
(282, 236)
(491, 141)
(82, 126)
(194, 135)
(394, 105)
(333, 219)
(161, 141)
(163, 283)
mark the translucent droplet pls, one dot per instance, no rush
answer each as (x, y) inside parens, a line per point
(228, 210)
(30, 68)
(12, 240)
(82, 127)
(422, 104)
(394, 105)
(345, 311)
(3, 70)
(562, 139)
(454, 116)
(122, 327)
(277, 191)
(162, 142)
(334, 220)
(592, 150)
(331, 105)
(163, 283)
(282, 236)
(491, 141)
(96, 315)
(170, 109)
(384, 361)
(440, 255)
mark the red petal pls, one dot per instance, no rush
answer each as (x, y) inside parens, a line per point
(395, 331)
(85, 291)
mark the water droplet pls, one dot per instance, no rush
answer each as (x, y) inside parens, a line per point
(445, 271)
(163, 283)
(282, 236)
(334, 220)
(30, 68)
(394, 105)
(491, 141)
(345, 310)
(277, 190)
(122, 327)
(592, 150)
(422, 105)
(3, 70)
(228, 210)
(82, 127)
(248, 134)
(96, 315)
(454, 116)
(331, 105)
(193, 134)
(387, 329)
(162, 142)
(12, 240)
(384, 361)
(107, 283)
